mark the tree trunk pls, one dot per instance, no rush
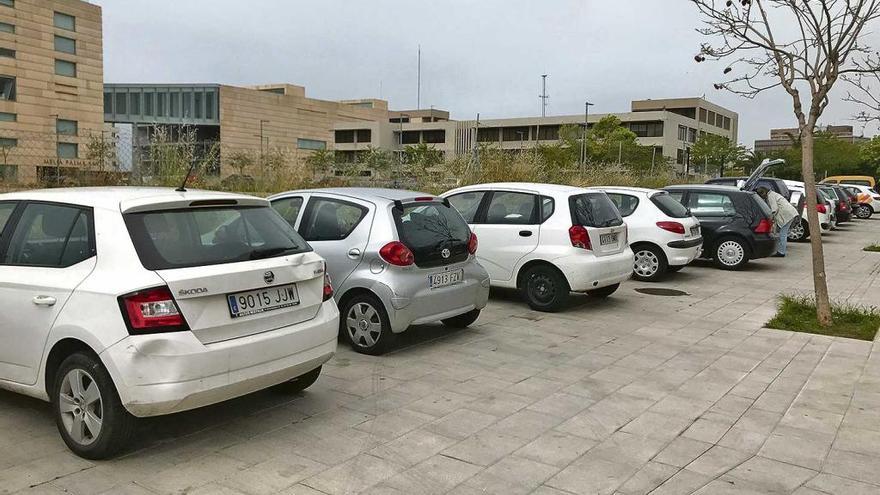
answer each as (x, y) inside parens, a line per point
(820, 285)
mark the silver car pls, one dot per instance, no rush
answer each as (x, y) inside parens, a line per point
(396, 258)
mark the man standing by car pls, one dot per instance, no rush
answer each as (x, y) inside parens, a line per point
(783, 215)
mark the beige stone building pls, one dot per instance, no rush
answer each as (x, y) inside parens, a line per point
(51, 82)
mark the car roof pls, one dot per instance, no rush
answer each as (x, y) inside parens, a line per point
(642, 190)
(111, 198)
(375, 194)
(534, 186)
(708, 187)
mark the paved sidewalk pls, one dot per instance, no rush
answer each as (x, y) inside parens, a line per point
(631, 395)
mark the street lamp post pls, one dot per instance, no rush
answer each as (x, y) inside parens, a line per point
(399, 150)
(587, 106)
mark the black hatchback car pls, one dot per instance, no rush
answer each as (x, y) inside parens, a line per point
(737, 225)
(770, 183)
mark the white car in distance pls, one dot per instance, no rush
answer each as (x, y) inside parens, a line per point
(663, 235)
(546, 240)
(127, 302)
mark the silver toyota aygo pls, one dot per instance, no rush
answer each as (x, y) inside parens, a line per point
(396, 258)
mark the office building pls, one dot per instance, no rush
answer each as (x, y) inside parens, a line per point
(782, 139)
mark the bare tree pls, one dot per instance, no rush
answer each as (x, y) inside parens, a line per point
(866, 92)
(803, 47)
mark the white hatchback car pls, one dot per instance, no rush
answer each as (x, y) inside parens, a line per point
(663, 235)
(118, 303)
(547, 240)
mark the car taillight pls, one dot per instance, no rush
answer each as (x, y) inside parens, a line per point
(328, 286)
(842, 206)
(764, 226)
(396, 253)
(821, 208)
(674, 227)
(579, 236)
(472, 244)
(152, 310)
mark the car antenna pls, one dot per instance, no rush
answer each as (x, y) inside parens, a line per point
(182, 187)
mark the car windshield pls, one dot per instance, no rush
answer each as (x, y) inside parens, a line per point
(208, 236)
(594, 210)
(669, 205)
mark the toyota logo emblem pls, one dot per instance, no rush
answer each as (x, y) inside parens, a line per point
(445, 253)
(269, 277)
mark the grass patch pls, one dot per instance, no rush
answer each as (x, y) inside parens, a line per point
(798, 314)
(874, 248)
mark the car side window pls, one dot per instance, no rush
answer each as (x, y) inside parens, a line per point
(548, 206)
(511, 208)
(710, 204)
(51, 236)
(328, 219)
(288, 208)
(625, 203)
(467, 204)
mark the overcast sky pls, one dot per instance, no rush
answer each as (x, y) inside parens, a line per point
(481, 56)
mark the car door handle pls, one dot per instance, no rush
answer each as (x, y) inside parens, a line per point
(525, 233)
(44, 300)
(354, 253)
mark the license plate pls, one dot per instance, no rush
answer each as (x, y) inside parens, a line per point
(258, 301)
(606, 239)
(443, 279)
(695, 231)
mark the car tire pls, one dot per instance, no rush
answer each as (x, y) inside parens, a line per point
(544, 288)
(649, 263)
(798, 231)
(864, 212)
(730, 253)
(463, 320)
(90, 417)
(365, 325)
(301, 382)
(604, 291)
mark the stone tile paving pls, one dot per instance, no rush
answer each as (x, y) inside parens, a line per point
(632, 395)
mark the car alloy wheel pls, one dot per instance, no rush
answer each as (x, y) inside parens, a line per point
(731, 253)
(646, 263)
(363, 324)
(863, 211)
(81, 407)
(796, 232)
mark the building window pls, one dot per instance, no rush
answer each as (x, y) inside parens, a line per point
(5, 27)
(8, 3)
(682, 133)
(726, 123)
(711, 116)
(7, 88)
(487, 134)
(187, 105)
(515, 134)
(548, 132)
(65, 68)
(65, 21)
(411, 137)
(68, 150)
(9, 173)
(175, 105)
(198, 100)
(344, 137)
(703, 115)
(8, 142)
(692, 135)
(8, 117)
(66, 45)
(135, 104)
(148, 104)
(434, 136)
(399, 120)
(160, 104)
(121, 103)
(647, 129)
(209, 105)
(6, 52)
(108, 102)
(66, 127)
(364, 135)
(311, 144)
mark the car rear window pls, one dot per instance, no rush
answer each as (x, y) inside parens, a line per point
(670, 206)
(594, 210)
(429, 228)
(184, 238)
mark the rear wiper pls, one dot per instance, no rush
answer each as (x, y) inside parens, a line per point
(258, 254)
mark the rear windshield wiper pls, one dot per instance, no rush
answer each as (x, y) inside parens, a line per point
(258, 254)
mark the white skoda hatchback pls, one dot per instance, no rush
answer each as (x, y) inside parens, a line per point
(547, 240)
(118, 303)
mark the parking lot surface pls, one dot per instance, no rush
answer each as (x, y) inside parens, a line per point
(636, 394)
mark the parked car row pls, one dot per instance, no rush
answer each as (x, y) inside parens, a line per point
(118, 303)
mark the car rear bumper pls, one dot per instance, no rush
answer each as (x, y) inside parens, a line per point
(412, 302)
(166, 373)
(680, 253)
(763, 246)
(586, 271)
